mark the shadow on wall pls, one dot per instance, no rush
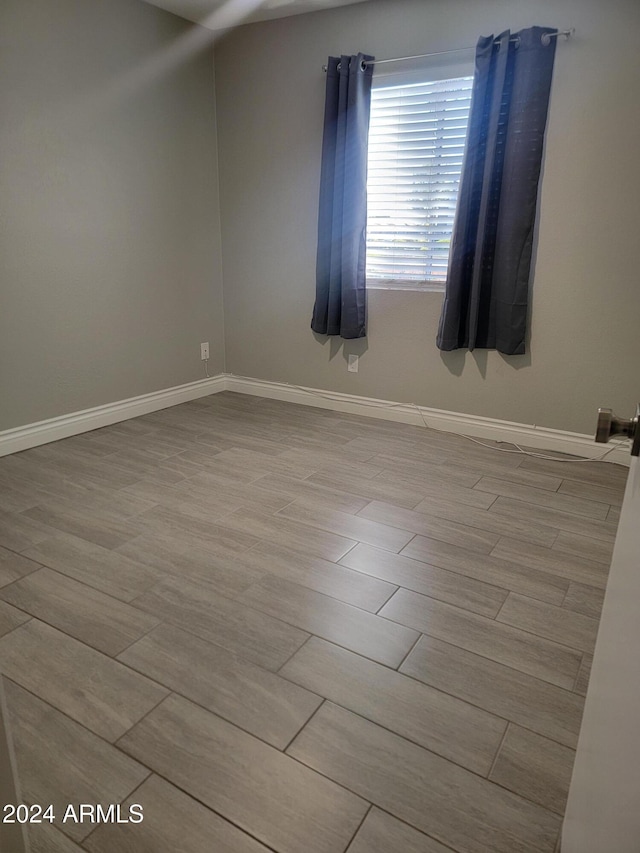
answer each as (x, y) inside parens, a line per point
(455, 360)
(358, 346)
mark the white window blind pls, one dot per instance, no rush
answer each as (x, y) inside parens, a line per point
(417, 137)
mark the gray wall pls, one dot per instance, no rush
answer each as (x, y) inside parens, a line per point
(109, 224)
(110, 260)
(586, 294)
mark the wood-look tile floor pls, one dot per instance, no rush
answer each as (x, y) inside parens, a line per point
(279, 628)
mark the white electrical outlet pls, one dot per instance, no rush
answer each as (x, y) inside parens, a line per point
(352, 363)
(204, 351)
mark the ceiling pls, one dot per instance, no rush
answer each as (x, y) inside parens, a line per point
(219, 14)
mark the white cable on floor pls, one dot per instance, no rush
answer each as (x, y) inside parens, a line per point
(518, 449)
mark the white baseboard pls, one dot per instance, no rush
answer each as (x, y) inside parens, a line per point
(53, 429)
(530, 435)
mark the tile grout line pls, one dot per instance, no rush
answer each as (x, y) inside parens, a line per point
(137, 640)
(498, 750)
(447, 847)
(301, 729)
(575, 682)
(500, 609)
(358, 828)
(397, 668)
(413, 743)
(293, 654)
(566, 690)
(391, 594)
(98, 824)
(489, 619)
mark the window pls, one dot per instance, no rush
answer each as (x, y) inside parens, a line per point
(417, 136)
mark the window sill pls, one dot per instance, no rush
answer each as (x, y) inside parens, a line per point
(415, 287)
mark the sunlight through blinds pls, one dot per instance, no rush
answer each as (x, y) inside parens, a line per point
(416, 145)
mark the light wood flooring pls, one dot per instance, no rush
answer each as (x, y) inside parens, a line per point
(282, 628)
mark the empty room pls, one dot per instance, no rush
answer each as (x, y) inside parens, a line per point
(319, 426)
